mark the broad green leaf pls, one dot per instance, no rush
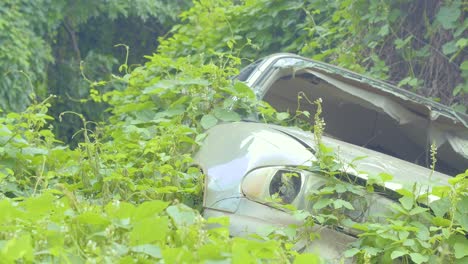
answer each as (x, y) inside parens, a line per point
(372, 251)
(342, 203)
(211, 252)
(441, 191)
(461, 212)
(182, 100)
(403, 235)
(177, 254)
(122, 210)
(418, 258)
(440, 207)
(149, 230)
(385, 176)
(182, 215)
(464, 66)
(405, 192)
(92, 218)
(448, 15)
(462, 43)
(40, 205)
(208, 121)
(439, 221)
(340, 188)
(282, 116)
(149, 209)
(384, 30)
(18, 248)
(407, 202)
(449, 48)
(8, 210)
(417, 210)
(176, 110)
(398, 253)
(322, 203)
(244, 90)
(351, 252)
(148, 249)
(34, 151)
(408, 242)
(226, 115)
(423, 233)
(460, 246)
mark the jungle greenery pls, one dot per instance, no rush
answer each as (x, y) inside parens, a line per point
(104, 104)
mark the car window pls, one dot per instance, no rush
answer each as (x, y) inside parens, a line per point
(245, 72)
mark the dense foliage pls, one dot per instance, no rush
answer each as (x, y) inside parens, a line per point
(128, 192)
(419, 45)
(52, 46)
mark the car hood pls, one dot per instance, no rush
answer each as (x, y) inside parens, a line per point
(232, 150)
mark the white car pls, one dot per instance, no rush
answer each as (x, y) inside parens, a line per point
(249, 164)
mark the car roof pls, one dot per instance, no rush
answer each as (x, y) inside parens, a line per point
(283, 60)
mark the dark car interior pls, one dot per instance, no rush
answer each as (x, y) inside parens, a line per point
(372, 119)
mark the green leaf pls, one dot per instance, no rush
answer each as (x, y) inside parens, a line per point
(400, 43)
(461, 213)
(439, 221)
(423, 233)
(120, 209)
(403, 234)
(211, 252)
(322, 203)
(440, 207)
(384, 30)
(462, 43)
(407, 202)
(226, 115)
(148, 249)
(244, 90)
(398, 253)
(372, 251)
(282, 116)
(449, 48)
(408, 242)
(460, 246)
(418, 210)
(307, 258)
(340, 203)
(92, 218)
(18, 248)
(159, 87)
(175, 255)
(448, 15)
(149, 230)
(385, 176)
(418, 258)
(464, 66)
(182, 215)
(351, 252)
(149, 209)
(34, 151)
(208, 121)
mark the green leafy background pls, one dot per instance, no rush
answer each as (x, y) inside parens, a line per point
(104, 104)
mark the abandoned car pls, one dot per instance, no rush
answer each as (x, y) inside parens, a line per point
(248, 164)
